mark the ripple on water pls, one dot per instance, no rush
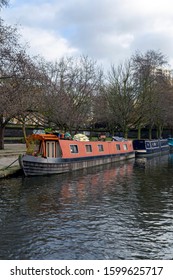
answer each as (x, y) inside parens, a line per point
(123, 211)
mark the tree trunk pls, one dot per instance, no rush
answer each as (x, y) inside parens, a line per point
(126, 133)
(150, 133)
(139, 133)
(2, 130)
(112, 132)
(24, 132)
(160, 131)
(157, 133)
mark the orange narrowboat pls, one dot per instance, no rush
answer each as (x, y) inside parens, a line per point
(48, 154)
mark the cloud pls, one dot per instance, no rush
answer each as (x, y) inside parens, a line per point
(107, 30)
(47, 44)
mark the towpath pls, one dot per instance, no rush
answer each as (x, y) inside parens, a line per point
(9, 159)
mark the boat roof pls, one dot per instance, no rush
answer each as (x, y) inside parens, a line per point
(43, 137)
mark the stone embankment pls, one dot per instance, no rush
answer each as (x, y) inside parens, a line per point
(9, 164)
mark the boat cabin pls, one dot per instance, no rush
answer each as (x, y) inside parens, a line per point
(45, 145)
(51, 146)
(49, 154)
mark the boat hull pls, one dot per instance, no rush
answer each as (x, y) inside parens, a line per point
(33, 166)
(151, 154)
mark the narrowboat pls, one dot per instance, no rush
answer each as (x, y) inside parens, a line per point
(150, 147)
(48, 154)
(170, 143)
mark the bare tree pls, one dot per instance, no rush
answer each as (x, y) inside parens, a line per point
(70, 88)
(120, 96)
(3, 3)
(18, 79)
(8, 62)
(151, 87)
(102, 115)
(30, 91)
(169, 100)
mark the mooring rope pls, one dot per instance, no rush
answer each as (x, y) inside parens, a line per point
(8, 165)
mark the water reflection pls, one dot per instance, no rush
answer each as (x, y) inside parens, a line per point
(120, 211)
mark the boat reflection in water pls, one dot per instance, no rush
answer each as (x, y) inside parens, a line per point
(61, 190)
(170, 159)
(154, 161)
(115, 211)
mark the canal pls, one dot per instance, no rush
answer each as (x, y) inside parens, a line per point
(120, 211)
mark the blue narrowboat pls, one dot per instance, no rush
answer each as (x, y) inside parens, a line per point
(170, 142)
(146, 147)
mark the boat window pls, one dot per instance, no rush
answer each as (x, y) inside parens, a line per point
(164, 142)
(154, 144)
(74, 149)
(88, 148)
(118, 147)
(147, 144)
(125, 147)
(100, 147)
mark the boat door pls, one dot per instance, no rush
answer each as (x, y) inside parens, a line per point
(51, 149)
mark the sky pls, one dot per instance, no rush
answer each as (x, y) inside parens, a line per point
(108, 31)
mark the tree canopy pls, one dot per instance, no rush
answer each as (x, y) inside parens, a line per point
(73, 93)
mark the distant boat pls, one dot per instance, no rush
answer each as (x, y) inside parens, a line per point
(48, 154)
(146, 147)
(170, 142)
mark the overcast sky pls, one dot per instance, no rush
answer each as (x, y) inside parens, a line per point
(106, 30)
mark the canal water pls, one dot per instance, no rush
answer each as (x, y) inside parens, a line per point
(120, 211)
